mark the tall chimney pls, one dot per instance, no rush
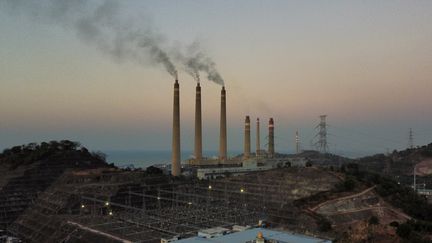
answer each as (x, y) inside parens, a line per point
(258, 142)
(247, 140)
(198, 124)
(271, 149)
(176, 167)
(223, 127)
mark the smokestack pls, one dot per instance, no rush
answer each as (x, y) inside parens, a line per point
(223, 128)
(176, 167)
(258, 142)
(198, 124)
(271, 149)
(247, 140)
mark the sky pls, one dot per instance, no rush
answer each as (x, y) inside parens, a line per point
(365, 64)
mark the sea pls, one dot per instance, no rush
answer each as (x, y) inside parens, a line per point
(144, 159)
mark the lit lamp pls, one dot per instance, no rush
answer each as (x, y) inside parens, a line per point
(260, 238)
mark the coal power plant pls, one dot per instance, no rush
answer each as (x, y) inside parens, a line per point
(248, 161)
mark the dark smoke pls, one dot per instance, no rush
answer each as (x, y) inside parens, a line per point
(197, 77)
(195, 61)
(200, 62)
(100, 25)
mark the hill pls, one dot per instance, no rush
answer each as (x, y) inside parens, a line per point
(400, 165)
(28, 170)
(64, 193)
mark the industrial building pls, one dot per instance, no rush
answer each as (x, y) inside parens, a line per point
(248, 166)
(254, 235)
(105, 204)
(230, 165)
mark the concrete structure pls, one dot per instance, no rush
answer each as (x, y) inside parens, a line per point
(427, 193)
(239, 228)
(248, 166)
(247, 139)
(223, 127)
(258, 138)
(298, 161)
(198, 124)
(271, 149)
(176, 167)
(212, 232)
(256, 235)
(250, 163)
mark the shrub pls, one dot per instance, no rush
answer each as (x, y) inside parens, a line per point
(374, 220)
(404, 230)
(324, 225)
(394, 224)
(151, 170)
(347, 185)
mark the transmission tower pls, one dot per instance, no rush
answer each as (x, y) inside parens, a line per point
(322, 135)
(297, 140)
(411, 139)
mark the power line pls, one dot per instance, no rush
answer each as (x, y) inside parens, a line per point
(347, 141)
(369, 135)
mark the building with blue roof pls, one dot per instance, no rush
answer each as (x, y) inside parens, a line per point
(256, 235)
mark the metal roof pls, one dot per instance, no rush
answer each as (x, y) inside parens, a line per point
(249, 235)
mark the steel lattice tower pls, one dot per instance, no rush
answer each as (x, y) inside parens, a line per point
(297, 140)
(322, 135)
(411, 139)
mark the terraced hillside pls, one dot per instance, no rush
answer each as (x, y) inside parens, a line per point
(29, 170)
(73, 196)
